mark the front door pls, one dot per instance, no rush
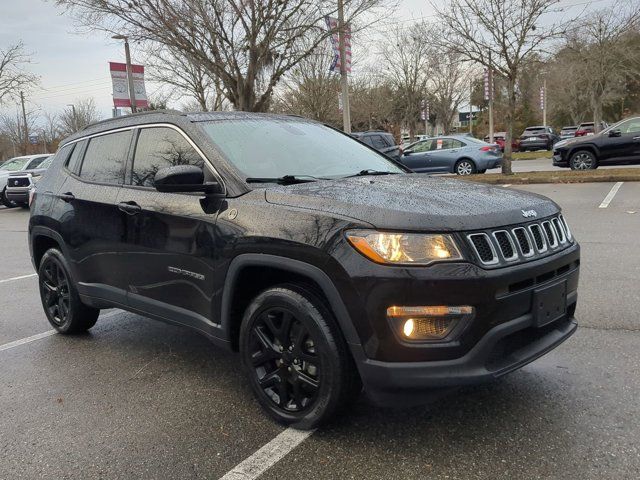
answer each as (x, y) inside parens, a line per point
(418, 158)
(171, 240)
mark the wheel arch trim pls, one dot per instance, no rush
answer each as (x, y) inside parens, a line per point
(294, 266)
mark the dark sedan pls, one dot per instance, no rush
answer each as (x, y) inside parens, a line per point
(618, 144)
(537, 138)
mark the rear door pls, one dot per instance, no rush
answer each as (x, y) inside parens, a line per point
(90, 221)
(171, 241)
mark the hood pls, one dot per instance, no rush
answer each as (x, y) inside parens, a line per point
(34, 171)
(415, 202)
(567, 142)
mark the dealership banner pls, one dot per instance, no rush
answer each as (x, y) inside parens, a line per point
(121, 85)
(332, 25)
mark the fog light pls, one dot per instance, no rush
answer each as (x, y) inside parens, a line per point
(429, 322)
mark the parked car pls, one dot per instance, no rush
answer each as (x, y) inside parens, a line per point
(616, 145)
(458, 154)
(500, 138)
(381, 141)
(587, 128)
(568, 132)
(20, 184)
(328, 266)
(17, 164)
(537, 138)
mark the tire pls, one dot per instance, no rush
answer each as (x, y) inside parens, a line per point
(62, 305)
(295, 357)
(583, 160)
(5, 201)
(464, 166)
(484, 170)
(24, 205)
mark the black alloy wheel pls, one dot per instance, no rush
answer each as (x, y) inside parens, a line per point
(285, 360)
(60, 300)
(298, 364)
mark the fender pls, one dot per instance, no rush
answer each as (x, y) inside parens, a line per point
(295, 266)
(42, 231)
(589, 146)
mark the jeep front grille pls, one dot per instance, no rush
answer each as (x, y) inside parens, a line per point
(521, 243)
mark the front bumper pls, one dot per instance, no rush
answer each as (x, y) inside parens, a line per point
(19, 195)
(559, 159)
(534, 144)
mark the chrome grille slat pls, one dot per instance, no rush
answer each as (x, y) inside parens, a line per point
(525, 242)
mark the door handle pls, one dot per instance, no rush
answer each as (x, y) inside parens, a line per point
(67, 197)
(130, 208)
(636, 138)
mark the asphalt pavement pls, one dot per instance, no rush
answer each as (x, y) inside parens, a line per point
(139, 399)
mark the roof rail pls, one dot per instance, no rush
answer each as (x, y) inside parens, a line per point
(137, 114)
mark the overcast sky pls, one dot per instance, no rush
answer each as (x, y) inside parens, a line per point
(73, 66)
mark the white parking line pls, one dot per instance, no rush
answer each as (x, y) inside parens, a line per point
(38, 336)
(258, 463)
(18, 278)
(612, 193)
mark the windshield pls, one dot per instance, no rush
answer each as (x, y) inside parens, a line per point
(272, 148)
(535, 130)
(14, 164)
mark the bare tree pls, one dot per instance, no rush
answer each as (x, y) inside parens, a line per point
(51, 130)
(12, 126)
(310, 88)
(510, 29)
(405, 61)
(247, 45)
(605, 53)
(448, 83)
(13, 76)
(82, 114)
(171, 67)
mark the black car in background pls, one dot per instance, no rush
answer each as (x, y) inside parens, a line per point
(326, 265)
(568, 132)
(381, 141)
(537, 138)
(616, 145)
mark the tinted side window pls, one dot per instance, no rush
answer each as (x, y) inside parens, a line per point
(389, 139)
(105, 158)
(446, 144)
(366, 140)
(456, 143)
(63, 153)
(73, 164)
(378, 141)
(422, 146)
(157, 148)
(35, 163)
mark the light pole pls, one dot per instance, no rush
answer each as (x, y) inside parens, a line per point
(344, 82)
(127, 54)
(75, 119)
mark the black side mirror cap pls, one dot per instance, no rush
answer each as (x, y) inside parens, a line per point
(615, 133)
(184, 178)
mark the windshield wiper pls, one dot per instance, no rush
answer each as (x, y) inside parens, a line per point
(284, 180)
(369, 171)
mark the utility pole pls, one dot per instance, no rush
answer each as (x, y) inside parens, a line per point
(24, 120)
(544, 102)
(346, 110)
(75, 118)
(470, 107)
(490, 99)
(127, 54)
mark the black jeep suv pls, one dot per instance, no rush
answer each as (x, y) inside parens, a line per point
(325, 264)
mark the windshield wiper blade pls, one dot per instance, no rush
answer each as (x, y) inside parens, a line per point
(363, 173)
(284, 180)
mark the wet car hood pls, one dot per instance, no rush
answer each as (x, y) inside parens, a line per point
(415, 202)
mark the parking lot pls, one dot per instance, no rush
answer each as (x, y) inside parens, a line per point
(139, 399)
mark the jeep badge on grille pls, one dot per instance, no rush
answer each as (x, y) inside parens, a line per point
(529, 213)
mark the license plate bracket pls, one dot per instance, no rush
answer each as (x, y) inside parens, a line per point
(550, 303)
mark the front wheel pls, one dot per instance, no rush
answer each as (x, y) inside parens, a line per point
(60, 300)
(465, 167)
(5, 201)
(583, 160)
(297, 362)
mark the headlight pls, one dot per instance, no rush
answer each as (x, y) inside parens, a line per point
(404, 248)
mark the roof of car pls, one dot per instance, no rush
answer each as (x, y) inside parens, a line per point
(169, 116)
(535, 126)
(570, 126)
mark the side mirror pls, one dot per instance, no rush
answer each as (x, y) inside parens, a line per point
(184, 178)
(408, 152)
(615, 133)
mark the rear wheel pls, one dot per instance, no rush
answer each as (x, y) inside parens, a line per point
(60, 300)
(465, 166)
(297, 362)
(5, 201)
(583, 160)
